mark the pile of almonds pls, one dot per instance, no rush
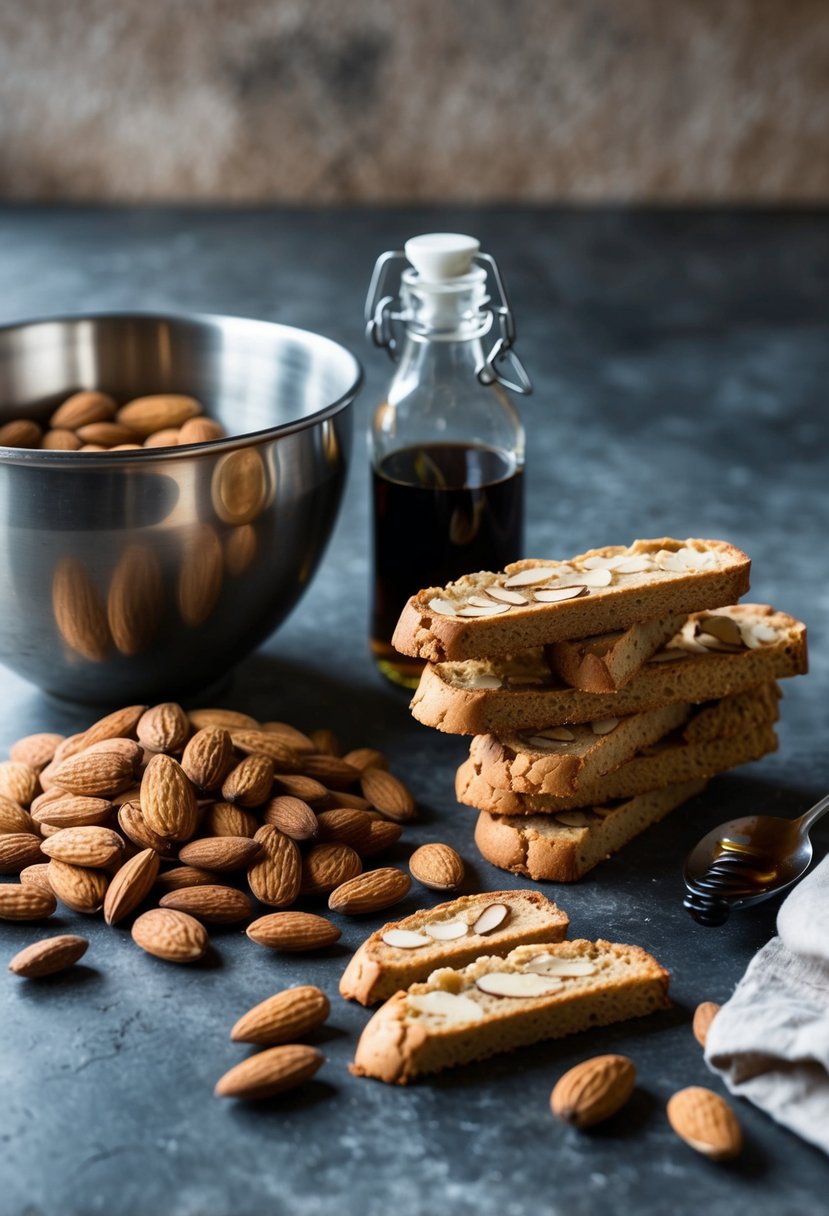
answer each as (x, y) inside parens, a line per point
(199, 813)
(91, 421)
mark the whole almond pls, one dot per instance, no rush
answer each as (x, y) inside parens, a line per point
(121, 724)
(128, 749)
(82, 889)
(276, 878)
(14, 819)
(370, 892)
(250, 782)
(289, 734)
(292, 816)
(593, 1090)
(20, 433)
(705, 1122)
(221, 853)
(135, 600)
(157, 412)
(132, 824)
(84, 846)
(18, 781)
(167, 437)
(172, 936)
(293, 932)
(344, 825)
(270, 1072)
(365, 757)
(214, 904)
(48, 956)
(382, 835)
(131, 885)
(387, 794)
(224, 819)
(208, 757)
(36, 750)
(297, 786)
(82, 408)
(46, 796)
(327, 866)
(163, 728)
(263, 743)
(184, 876)
(60, 441)
(18, 850)
(95, 774)
(285, 1016)
(72, 811)
(37, 876)
(105, 434)
(168, 801)
(437, 866)
(338, 798)
(19, 901)
(200, 576)
(703, 1017)
(333, 772)
(200, 430)
(228, 719)
(326, 742)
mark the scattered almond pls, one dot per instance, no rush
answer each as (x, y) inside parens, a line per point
(293, 932)
(387, 794)
(94, 774)
(157, 412)
(72, 810)
(227, 719)
(82, 408)
(705, 1122)
(593, 1090)
(270, 1072)
(370, 892)
(326, 742)
(285, 1016)
(327, 866)
(14, 819)
(25, 901)
(48, 956)
(437, 866)
(333, 772)
(172, 936)
(264, 743)
(307, 788)
(121, 724)
(344, 825)
(131, 822)
(37, 876)
(382, 835)
(130, 885)
(703, 1017)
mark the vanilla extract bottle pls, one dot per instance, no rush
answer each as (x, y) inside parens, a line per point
(447, 443)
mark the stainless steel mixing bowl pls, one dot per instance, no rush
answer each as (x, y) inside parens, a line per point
(144, 574)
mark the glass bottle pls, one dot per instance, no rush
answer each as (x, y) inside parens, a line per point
(446, 444)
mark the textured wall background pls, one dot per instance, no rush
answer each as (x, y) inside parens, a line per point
(404, 100)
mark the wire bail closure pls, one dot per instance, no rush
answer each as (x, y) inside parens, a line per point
(501, 365)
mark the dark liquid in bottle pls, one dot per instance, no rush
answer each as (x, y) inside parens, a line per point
(440, 510)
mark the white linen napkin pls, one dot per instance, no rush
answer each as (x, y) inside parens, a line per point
(770, 1041)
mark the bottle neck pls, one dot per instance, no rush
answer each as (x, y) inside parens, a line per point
(447, 312)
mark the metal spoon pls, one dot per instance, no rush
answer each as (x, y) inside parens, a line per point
(745, 861)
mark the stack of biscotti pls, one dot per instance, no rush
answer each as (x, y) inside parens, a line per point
(602, 692)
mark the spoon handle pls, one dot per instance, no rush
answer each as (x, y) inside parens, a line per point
(810, 817)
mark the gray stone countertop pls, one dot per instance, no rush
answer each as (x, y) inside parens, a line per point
(680, 361)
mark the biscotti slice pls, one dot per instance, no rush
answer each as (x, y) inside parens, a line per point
(560, 759)
(609, 661)
(497, 696)
(666, 763)
(562, 848)
(450, 935)
(499, 1004)
(533, 602)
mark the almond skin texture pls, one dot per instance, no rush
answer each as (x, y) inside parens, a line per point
(593, 1090)
(131, 822)
(250, 782)
(184, 876)
(293, 932)
(200, 430)
(120, 724)
(262, 743)
(35, 750)
(293, 817)
(80, 888)
(223, 819)
(94, 774)
(344, 825)
(333, 772)
(131, 885)
(370, 892)
(19, 901)
(389, 795)
(270, 1072)
(163, 728)
(18, 850)
(82, 408)
(703, 1017)
(14, 819)
(172, 936)
(73, 811)
(228, 719)
(221, 853)
(276, 879)
(168, 801)
(105, 434)
(37, 876)
(18, 781)
(297, 786)
(48, 956)
(327, 866)
(283, 1017)
(208, 757)
(289, 734)
(382, 836)
(85, 846)
(157, 412)
(215, 905)
(705, 1122)
(20, 433)
(437, 866)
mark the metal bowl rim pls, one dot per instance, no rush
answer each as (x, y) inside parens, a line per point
(90, 460)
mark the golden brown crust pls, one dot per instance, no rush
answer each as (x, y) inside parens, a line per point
(423, 633)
